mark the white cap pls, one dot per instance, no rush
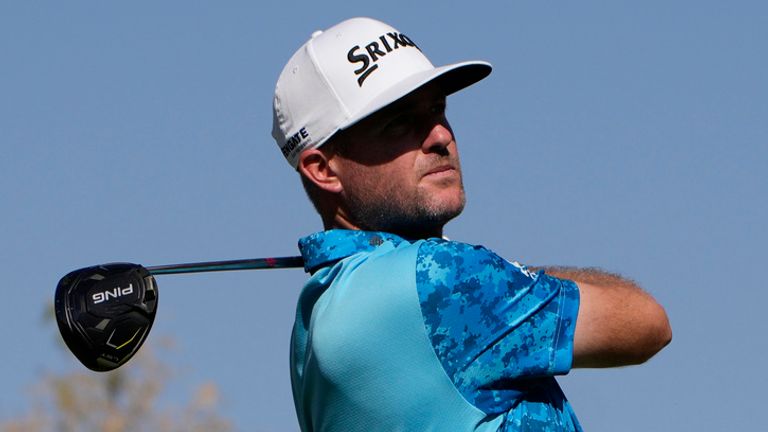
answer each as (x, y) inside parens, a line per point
(348, 72)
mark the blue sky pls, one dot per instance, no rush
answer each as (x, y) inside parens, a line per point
(622, 135)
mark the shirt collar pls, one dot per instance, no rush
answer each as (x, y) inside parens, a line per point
(326, 247)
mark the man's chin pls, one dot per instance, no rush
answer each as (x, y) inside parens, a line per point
(449, 202)
(443, 211)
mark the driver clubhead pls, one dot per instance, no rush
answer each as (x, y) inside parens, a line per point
(105, 312)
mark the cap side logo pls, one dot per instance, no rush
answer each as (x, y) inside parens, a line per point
(293, 142)
(373, 52)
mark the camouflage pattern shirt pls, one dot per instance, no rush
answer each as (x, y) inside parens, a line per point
(428, 335)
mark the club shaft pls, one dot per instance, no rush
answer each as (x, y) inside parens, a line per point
(216, 266)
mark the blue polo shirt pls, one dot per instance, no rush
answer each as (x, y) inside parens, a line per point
(428, 335)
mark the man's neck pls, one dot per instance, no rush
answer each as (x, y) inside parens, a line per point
(410, 234)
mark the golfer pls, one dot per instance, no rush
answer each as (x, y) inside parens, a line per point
(398, 328)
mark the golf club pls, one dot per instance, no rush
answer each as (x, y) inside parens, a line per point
(105, 312)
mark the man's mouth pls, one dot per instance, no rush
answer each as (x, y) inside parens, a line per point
(440, 171)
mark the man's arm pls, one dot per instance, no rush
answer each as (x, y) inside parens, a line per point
(618, 323)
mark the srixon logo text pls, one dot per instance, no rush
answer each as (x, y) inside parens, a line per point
(103, 296)
(374, 50)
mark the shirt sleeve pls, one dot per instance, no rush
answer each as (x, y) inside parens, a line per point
(492, 322)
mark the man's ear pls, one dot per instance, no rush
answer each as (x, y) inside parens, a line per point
(316, 166)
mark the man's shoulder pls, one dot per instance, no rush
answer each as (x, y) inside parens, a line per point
(327, 247)
(432, 255)
(464, 260)
(443, 250)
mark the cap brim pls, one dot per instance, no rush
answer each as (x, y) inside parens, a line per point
(451, 78)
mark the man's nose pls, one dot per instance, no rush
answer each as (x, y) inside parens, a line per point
(438, 139)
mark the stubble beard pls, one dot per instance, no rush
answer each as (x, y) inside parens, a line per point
(414, 215)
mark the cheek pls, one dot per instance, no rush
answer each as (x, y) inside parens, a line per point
(382, 183)
(399, 178)
(363, 182)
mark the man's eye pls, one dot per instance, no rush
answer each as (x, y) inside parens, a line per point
(439, 108)
(400, 124)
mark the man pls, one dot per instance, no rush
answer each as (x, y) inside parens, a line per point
(398, 328)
